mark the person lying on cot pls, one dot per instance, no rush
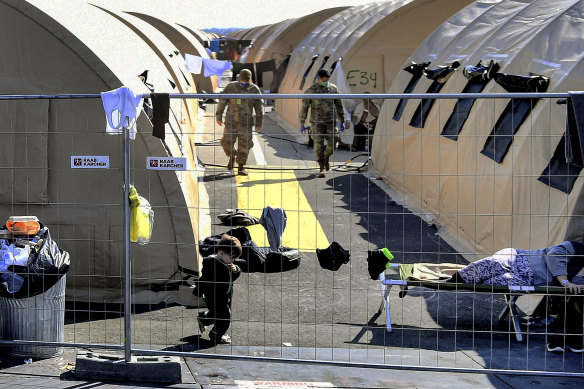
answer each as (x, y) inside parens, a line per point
(562, 264)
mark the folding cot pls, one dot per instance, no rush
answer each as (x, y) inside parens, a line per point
(407, 279)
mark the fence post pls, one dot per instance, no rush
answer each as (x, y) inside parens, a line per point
(127, 256)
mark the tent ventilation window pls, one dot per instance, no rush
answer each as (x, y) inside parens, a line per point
(478, 77)
(568, 159)
(324, 60)
(515, 113)
(314, 57)
(279, 75)
(416, 70)
(439, 76)
(334, 65)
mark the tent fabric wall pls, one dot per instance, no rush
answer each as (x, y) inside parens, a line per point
(359, 36)
(282, 43)
(484, 205)
(55, 51)
(274, 30)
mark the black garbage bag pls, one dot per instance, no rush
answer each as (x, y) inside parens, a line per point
(333, 257)
(46, 265)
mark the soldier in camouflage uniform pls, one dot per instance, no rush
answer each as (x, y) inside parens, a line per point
(239, 120)
(322, 117)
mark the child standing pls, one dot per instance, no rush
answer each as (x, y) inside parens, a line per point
(216, 287)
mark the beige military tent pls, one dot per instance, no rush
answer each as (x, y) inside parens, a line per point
(186, 43)
(49, 48)
(486, 198)
(279, 44)
(359, 35)
(260, 38)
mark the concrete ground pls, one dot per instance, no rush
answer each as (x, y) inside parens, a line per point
(314, 314)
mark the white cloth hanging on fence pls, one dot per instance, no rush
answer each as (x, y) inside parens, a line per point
(122, 107)
(194, 63)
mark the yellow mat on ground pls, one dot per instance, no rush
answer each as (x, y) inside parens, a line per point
(280, 189)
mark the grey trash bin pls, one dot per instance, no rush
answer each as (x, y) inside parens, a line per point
(38, 318)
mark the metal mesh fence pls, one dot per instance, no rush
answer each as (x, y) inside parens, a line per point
(427, 197)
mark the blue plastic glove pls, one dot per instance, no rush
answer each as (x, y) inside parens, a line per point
(342, 127)
(303, 130)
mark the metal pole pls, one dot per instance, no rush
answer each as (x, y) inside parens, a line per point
(127, 257)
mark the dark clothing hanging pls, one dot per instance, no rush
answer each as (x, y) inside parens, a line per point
(238, 67)
(568, 159)
(160, 114)
(264, 67)
(575, 129)
(560, 174)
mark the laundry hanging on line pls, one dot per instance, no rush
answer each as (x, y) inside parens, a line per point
(122, 107)
(574, 135)
(160, 113)
(194, 63)
(215, 67)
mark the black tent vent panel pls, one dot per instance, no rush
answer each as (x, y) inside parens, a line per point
(313, 60)
(419, 118)
(461, 110)
(499, 141)
(416, 70)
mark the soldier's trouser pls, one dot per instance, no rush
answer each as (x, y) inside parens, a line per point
(322, 132)
(243, 135)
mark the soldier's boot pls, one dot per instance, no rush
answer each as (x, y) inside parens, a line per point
(322, 169)
(241, 170)
(230, 163)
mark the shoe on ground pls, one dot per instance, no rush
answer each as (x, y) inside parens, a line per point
(225, 339)
(230, 163)
(554, 348)
(202, 327)
(575, 349)
(321, 173)
(241, 171)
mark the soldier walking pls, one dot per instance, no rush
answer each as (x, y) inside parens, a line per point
(239, 120)
(323, 113)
